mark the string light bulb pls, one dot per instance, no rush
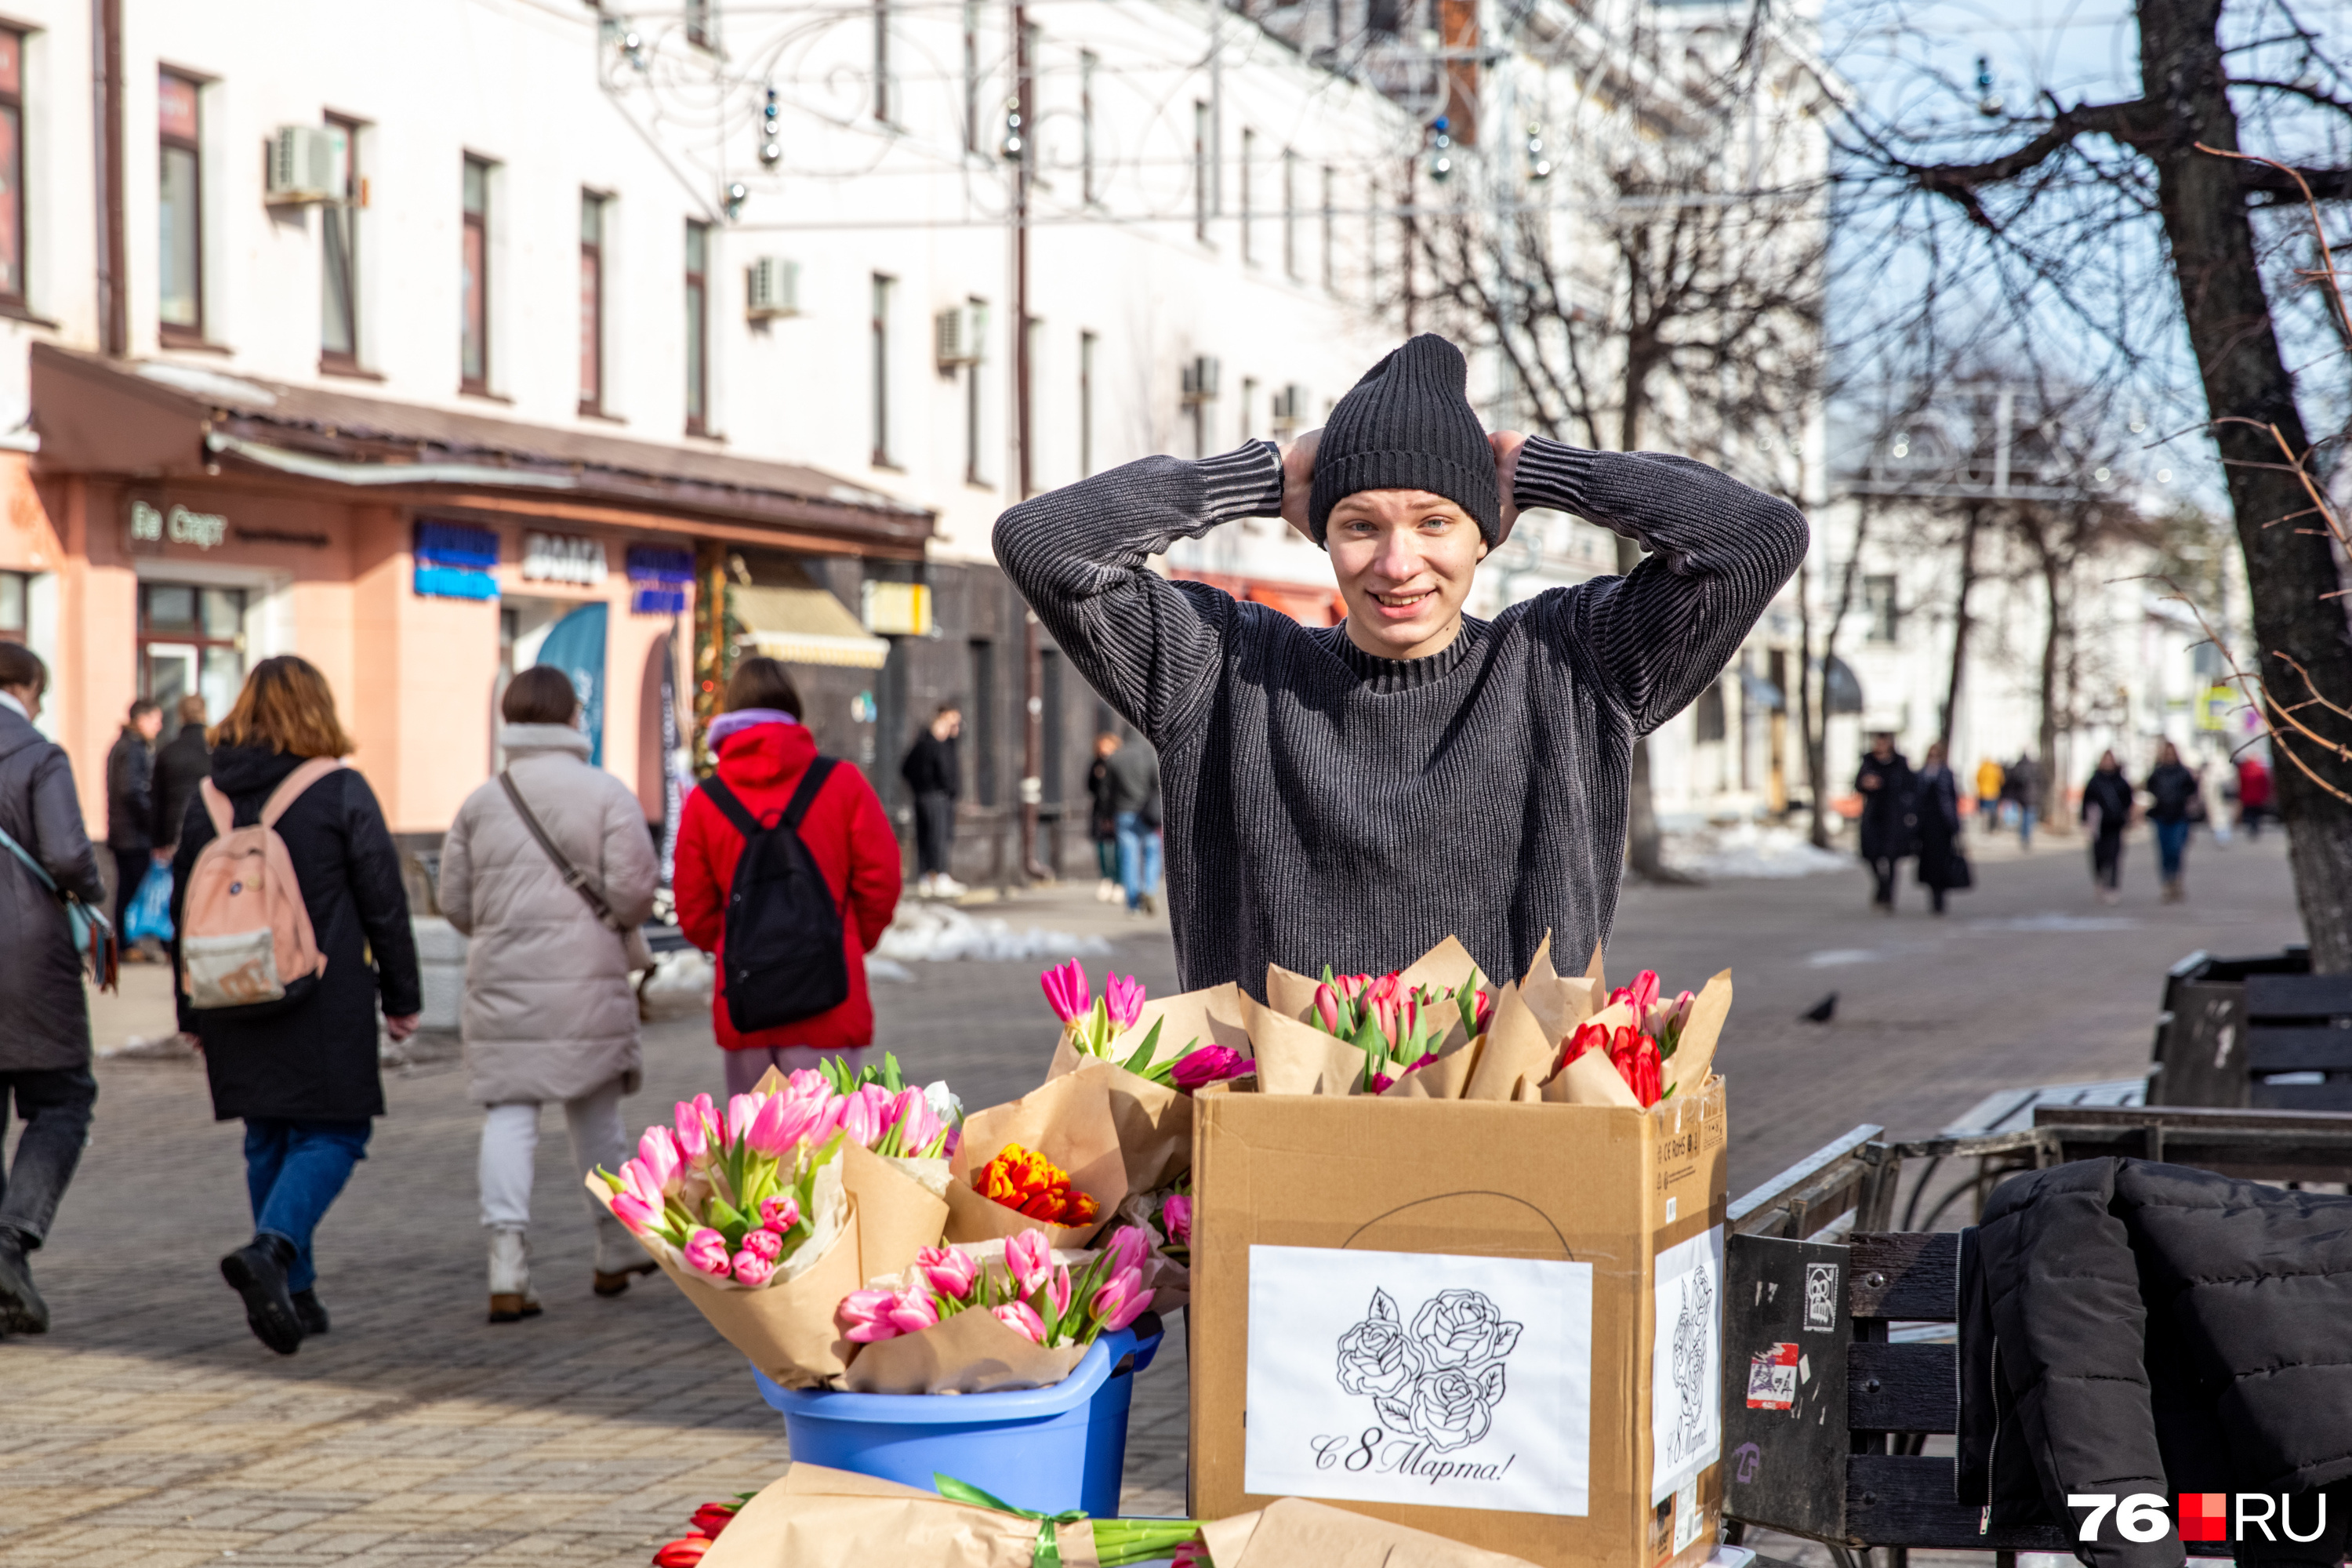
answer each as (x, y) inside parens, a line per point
(1015, 145)
(1538, 164)
(738, 193)
(1988, 103)
(1441, 150)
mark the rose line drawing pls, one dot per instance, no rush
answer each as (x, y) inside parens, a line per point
(1438, 1382)
(1693, 1329)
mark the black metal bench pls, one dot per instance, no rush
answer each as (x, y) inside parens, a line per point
(1846, 1338)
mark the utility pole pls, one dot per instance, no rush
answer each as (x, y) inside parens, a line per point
(1033, 660)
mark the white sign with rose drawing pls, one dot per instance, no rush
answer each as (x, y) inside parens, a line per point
(1686, 1363)
(1418, 1378)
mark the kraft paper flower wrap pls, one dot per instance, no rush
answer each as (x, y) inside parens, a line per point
(900, 1201)
(1155, 1120)
(820, 1518)
(1069, 1122)
(1296, 1057)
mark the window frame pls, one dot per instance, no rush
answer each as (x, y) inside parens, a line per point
(883, 293)
(593, 279)
(697, 292)
(21, 633)
(473, 221)
(1291, 215)
(12, 102)
(1249, 199)
(341, 216)
(1331, 229)
(1204, 165)
(1087, 342)
(1089, 193)
(169, 332)
(883, 106)
(973, 424)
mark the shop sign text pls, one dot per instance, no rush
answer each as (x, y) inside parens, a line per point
(149, 524)
(562, 558)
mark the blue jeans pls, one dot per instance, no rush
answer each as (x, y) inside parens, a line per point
(294, 1171)
(2025, 827)
(1139, 858)
(2171, 843)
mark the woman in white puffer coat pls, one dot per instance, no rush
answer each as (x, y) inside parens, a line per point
(549, 1012)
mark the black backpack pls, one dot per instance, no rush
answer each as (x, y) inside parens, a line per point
(783, 951)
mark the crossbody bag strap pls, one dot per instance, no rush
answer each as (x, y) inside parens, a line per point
(39, 872)
(573, 877)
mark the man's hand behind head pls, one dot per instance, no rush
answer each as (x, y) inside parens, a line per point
(1299, 478)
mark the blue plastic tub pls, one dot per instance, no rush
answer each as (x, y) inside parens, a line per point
(1046, 1450)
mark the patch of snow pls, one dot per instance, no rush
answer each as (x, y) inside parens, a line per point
(203, 383)
(936, 931)
(2057, 922)
(1837, 957)
(888, 969)
(1750, 849)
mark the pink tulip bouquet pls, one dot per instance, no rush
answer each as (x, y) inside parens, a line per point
(1091, 1024)
(734, 1194)
(1025, 1289)
(1398, 1029)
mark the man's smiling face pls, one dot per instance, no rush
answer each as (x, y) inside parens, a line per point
(1404, 559)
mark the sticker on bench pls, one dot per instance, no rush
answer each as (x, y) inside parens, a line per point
(1772, 1378)
(1820, 1297)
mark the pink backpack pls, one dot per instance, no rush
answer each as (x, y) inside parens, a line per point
(245, 932)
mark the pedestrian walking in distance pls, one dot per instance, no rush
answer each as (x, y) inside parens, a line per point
(130, 809)
(45, 1045)
(2025, 778)
(300, 1071)
(1936, 818)
(1134, 783)
(1884, 785)
(549, 1013)
(1990, 777)
(935, 772)
(2106, 812)
(766, 757)
(2175, 802)
(2254, 793)
(1102, 821)
(185, 762)
(1311, 772)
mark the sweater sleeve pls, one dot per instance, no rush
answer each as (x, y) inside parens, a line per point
(1719, 551)
(1148, 646)
(381, 899)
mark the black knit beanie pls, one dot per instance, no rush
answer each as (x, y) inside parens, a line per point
(1407, 426)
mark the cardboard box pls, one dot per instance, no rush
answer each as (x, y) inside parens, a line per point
(1494, 1320)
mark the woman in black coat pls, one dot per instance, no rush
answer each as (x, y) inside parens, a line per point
(301, 1072)
(2108, 808)
(1935, 817)
(1885, 786)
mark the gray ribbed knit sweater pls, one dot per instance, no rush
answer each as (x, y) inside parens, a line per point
(1327, 806)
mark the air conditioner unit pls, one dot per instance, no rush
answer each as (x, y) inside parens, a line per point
(958, 334)
(305, 164)
(1201, 380)
(772, 289)
(1290, 407)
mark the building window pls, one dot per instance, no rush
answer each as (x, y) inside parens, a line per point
(970, 76)
(974, 471)
(882, 290)
(1330, 224)
(1204, 171)
(1085, 403)
(179, 236)
(1087, 190)
(12, 167)
(339, 281)
(15, 588)
(698, 329)
(1709, 713)
(1880, 611)
(191, 643)
(883, 107)
(1291, 215)
(592, 301)
(1249, 408)
(698, 30)
(474, 281)
(983, 721)
(1249, 202)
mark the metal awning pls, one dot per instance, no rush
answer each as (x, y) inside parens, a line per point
(804, 626)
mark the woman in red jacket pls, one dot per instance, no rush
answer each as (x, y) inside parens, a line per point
(763, 748)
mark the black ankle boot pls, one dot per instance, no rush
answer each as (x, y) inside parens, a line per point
(22, 1310)
(311, 1312)
(257, 1271)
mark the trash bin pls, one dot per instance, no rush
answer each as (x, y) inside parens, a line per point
(1046, 1449)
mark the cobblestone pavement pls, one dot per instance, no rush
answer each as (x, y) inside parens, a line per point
(151, 1428)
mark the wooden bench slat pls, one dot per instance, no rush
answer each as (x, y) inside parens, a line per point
(1899, 1274)
(1903, 1499)
(2297, 995)
(2335, 1094)
(1902, 1388)
(2298, 1050)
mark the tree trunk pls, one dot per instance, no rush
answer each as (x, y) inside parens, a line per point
(2053, 638)
(1815, 727)
(2288, 566)
(1950, 720)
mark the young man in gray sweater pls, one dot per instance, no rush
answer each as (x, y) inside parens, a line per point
(1352, 795)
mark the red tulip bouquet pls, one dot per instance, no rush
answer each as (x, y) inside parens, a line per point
(1639, 1049)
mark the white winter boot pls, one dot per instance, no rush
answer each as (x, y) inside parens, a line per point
(511, 1298)
(618, 1256)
